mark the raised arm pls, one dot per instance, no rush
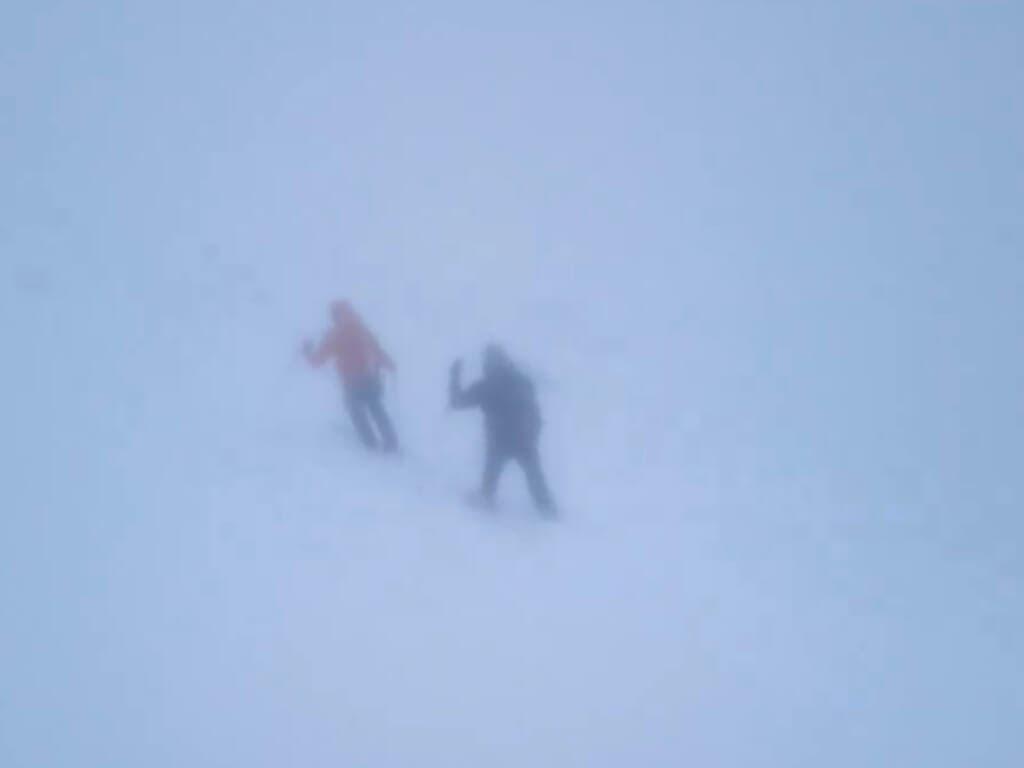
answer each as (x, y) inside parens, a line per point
(319, 354)
(459, 397)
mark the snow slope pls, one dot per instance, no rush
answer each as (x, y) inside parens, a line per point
(202, 569)
(790, 479)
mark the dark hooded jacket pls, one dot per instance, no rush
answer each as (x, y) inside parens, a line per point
(507, 398)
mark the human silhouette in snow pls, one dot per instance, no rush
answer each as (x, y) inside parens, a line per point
(512, 422)
(359, 361)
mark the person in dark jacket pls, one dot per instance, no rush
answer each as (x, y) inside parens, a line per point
(512, 422)
(359, 360)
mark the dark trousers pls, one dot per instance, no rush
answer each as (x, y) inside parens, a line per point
(528, 457)
(363, 401)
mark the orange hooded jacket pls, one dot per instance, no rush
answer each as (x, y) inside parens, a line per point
(355, 350)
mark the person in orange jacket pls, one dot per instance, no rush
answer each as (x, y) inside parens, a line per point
(359, 361)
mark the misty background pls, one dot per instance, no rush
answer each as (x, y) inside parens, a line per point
(764, 261)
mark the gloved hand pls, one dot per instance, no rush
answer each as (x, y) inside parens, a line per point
(454, 373)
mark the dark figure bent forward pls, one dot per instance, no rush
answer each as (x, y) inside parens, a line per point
(512, 422)
(359, 360)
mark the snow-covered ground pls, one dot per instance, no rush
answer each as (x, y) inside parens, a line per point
(779, 364)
